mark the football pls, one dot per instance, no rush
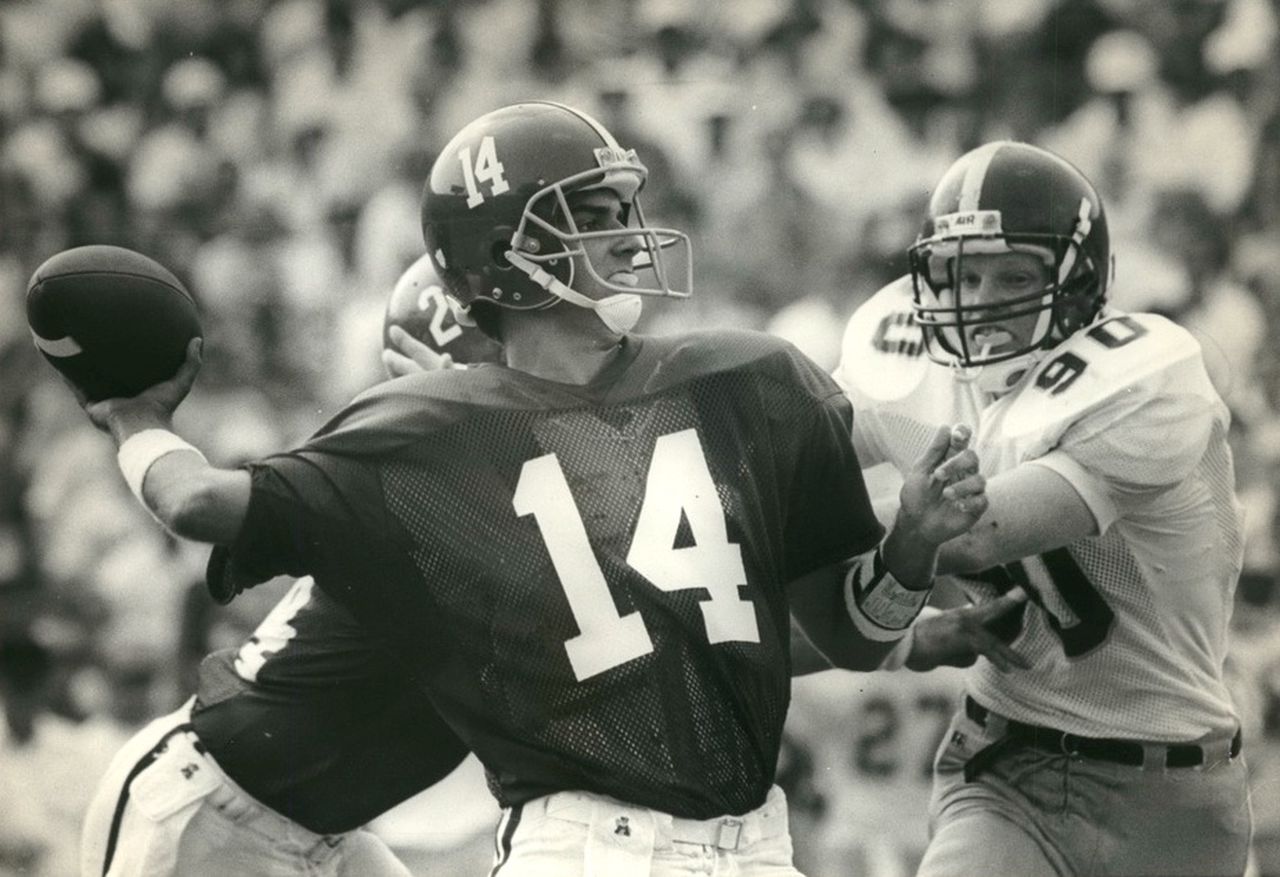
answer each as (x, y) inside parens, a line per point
(112, 320)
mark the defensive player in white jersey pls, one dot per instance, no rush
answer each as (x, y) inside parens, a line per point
(1111, 501)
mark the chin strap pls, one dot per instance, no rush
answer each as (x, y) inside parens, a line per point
(618, 312)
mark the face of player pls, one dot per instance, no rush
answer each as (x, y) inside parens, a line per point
(1006, 285)
(611, 257)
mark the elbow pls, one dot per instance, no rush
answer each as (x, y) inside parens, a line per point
(192, 513)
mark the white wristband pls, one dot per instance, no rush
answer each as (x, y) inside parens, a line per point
(880, 608)
(897, 657)
(140, 451)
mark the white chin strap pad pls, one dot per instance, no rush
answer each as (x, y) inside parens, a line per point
(619, 312)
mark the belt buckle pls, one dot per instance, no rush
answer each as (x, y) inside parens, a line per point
(729, 833)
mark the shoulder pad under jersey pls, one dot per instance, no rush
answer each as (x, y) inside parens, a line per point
(882, 357)
(1123, 358)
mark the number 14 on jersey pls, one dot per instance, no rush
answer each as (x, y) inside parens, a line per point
(679, 482)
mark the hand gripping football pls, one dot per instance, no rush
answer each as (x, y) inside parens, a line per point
(113, 321)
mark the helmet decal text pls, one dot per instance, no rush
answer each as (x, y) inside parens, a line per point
(487, 169)
(610, 156)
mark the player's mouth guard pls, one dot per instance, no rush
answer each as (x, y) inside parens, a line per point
(619, 312)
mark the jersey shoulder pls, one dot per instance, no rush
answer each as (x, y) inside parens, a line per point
(693, 355)
(401, 411)
(1123, 363)
(882, 356)
(1127, 399)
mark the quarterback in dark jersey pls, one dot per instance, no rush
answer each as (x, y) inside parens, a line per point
(585, 557)
(299, 736)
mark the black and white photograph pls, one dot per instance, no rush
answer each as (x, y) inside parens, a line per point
(639, 438)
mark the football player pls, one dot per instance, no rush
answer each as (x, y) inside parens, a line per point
(299, 737)
(586, 556)
(1110, 502)
(420, 332)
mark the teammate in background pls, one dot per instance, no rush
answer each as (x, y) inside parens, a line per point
(587, 556)
(1110, 489)
(420, 332)
(300, 736)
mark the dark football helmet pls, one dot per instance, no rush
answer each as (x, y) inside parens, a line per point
(1009, 197)
(417, 304)
(496, 218)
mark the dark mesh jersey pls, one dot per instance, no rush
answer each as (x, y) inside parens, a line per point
(588, 581)
(312, 718)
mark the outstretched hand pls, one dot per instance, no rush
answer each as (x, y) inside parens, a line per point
(943, 495)
(956, 637)
(409, 356)
(153, 406)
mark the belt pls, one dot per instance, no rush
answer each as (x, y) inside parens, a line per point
(724, 832)
(1128, 752)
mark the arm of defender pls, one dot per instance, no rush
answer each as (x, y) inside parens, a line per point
(939, 637)
(172, 479)
(1031, 509)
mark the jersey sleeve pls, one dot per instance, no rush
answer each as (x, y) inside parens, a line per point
(320, 510)
(1093, 489)
(1148, 437)
(1134, 417)
(305, 511)
(831, 517)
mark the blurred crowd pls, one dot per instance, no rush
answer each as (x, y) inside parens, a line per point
(271, 153)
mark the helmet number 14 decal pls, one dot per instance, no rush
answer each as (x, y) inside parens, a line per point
(678, 486)
(1063, 370)
(487, 169)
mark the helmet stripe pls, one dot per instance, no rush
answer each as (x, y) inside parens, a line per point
(595, 126)
(975, 175)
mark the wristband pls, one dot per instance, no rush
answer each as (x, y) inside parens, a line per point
(879, 606)
(140, 451)
(898, 656)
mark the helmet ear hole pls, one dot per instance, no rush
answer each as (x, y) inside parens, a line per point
(498, 253)
(499, 244)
